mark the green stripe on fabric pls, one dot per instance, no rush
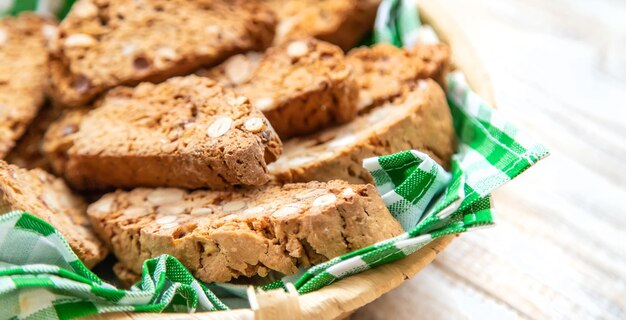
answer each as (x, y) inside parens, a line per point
(30, 281)
(34, 224)
(477, 138)
(23, 5)
(321, 280)
(65, 9)
(415, 188)
(113, 295)
(74, 309)
(399, 166)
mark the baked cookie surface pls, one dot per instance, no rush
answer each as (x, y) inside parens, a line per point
(23, 75)
(186, 132)
(418, 119)
(220, 236)
(47, 197)
(342, 22)
(105, 43)
(301, 86)
(382, 71)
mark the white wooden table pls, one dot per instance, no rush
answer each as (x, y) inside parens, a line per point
(559, 250)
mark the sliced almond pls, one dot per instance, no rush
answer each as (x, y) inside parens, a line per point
(236, 102)
(136, 211)
(325, 200)
(234, 206)
(104, 205)
(163, 196)
(219, 127)
(311, 194)
(84, 9)
(172, 209)
(238, 69)
(166, 220)
(286, 211)
(79, 40)
(297, 49)
(201, 211)
(253, 211)
(254, 125)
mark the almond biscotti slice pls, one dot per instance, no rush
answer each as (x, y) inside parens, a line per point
(105, 43)
(383, 71)
(47, 197)
(219, 236)
(301, 86)
(342, 22)
(186, 132)
(23, 75)
(418, 119)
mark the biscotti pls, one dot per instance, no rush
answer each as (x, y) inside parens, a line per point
(186, 132)
(219, 236)
(47, 197)
(418, 119)
(23, 75)
(342, 22)
(105, 43)
(383, 71)
(301, 86)
(28, 152)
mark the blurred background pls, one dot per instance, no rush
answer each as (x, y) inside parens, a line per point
(558, 70)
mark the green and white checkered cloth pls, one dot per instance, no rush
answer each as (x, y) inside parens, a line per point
(41, 278)
(57, 8)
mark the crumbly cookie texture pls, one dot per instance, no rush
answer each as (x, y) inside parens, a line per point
(186, 132)
(28, 152)
(235, 71)
(23, 74)
(418, 119)
(342, 22)
(301, 86)
(383, 71)
(105, 43)
(47, 197)
(221, 235)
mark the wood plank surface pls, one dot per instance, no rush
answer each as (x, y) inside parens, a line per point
(559, 250)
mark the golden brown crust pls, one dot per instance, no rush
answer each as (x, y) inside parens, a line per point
(418, 119)
(342, 22)
(219, 236)
(105, 43)
(382, 71)
(186, 132)
(48, 198)
(301, 86)
(23, 75)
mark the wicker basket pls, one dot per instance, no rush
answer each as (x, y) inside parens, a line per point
(342, 298)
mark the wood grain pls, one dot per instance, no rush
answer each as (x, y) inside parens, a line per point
(558, 69)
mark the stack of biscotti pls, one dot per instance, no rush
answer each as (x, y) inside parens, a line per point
(237, 159)
(400, 107)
